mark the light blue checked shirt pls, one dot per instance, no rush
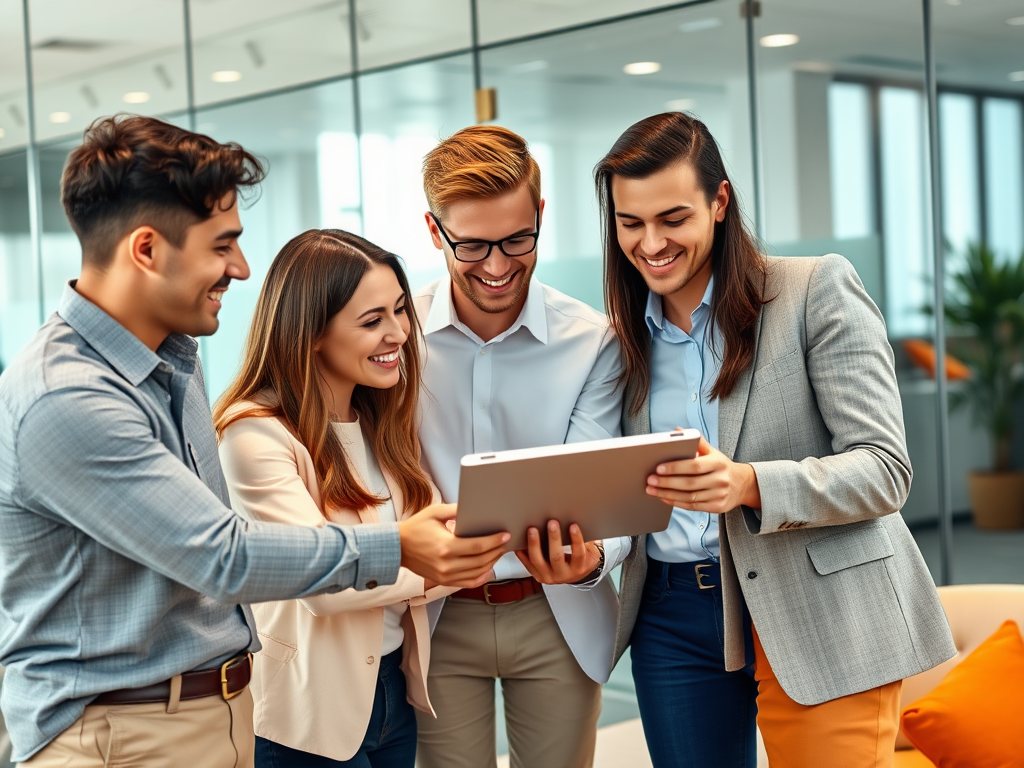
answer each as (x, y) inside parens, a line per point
(121, 564)
(684, 367)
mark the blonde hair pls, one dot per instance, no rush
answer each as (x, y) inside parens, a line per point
(478, 161)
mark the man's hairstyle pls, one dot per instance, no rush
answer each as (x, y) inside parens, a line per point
(133, 171)
(740, 271)
(478, 162)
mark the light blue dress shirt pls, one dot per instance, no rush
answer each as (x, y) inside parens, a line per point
(121, 564)
(684, 367)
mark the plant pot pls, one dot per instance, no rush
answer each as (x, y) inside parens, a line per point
(997, 499)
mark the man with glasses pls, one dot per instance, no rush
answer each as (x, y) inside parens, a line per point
(512, 363)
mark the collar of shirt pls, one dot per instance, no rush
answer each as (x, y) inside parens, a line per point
(660, 327)
(125, 353)
(533, 317)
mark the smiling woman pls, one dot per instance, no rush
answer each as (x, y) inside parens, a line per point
(319, 426)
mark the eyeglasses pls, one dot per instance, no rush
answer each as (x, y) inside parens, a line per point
(478, 250)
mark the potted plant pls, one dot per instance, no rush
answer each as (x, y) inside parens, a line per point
(986, 300)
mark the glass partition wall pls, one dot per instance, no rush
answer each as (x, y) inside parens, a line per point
(343, 98)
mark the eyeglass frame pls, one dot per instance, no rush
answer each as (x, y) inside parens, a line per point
(490, 243)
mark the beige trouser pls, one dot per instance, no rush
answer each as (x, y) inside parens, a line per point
(198, 733)
(551, 706)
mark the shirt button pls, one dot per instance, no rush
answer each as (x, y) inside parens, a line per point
(483, 350)
(752, 575)
(371, 584)
(369, 659)
(693, 396)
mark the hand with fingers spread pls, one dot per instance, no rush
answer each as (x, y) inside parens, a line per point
(710, 482)
(430, 549)
(558, 567)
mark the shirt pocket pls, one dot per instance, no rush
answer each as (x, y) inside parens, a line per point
(850, 548)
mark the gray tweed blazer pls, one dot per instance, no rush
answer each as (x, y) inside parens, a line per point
(834, 582)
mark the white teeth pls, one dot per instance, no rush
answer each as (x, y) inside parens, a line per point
(385, 358)
(661, 262)
(215, 295)
(496, 283)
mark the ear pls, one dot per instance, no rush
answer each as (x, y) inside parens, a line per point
(141, 245)
(540, 212)
(435, 234)
(721, 201)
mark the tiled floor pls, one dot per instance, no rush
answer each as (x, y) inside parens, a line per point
(978, 557)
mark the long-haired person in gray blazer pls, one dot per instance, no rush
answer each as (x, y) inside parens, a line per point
(787, 586)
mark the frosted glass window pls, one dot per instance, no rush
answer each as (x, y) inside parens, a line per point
(1004, 176)
(904, 217)
(849, 129)
(958, 144)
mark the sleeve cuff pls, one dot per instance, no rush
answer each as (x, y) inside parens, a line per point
(380, 555)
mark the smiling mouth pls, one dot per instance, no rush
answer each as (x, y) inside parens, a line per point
(496, 283)
(388, 358)
(216, 295)
(661, 262)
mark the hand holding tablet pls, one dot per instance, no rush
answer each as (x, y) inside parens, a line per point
(600, 485)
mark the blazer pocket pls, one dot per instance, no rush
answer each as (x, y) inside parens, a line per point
(850, 548)
(778, 369)
(276, 649)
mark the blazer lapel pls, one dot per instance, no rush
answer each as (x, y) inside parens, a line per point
(640, 423)
(733, 408)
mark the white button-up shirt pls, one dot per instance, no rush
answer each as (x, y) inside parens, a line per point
(549, 379)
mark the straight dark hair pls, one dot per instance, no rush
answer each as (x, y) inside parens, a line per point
(740, 271)
(309, 281)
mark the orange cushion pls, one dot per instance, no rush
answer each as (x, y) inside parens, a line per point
(922, 354)
(974, 718)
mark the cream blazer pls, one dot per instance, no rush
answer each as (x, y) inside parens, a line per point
(314, 681)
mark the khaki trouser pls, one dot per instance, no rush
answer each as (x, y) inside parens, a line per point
(551, 706)
(198, 733)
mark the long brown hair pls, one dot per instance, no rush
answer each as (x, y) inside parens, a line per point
(310, 280)
(647, 147)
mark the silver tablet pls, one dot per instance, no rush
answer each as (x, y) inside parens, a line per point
(601, 485)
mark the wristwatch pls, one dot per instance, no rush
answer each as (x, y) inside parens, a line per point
(600, 564)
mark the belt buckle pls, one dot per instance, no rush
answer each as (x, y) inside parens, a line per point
(487, 593)
(696, 570)
(225, 694)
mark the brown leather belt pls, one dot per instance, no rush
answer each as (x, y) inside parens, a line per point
(501, 592)
(227, 682)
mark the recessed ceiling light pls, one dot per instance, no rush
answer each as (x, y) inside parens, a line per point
(699, 25)
(60, 117)
(642, 68)
(136, 97)
(680, 105)
(1017, 77)
(226, 76)
(1016, 21)
(529, 66)
(812, 66)
(952, 2)
(2, 134)
(779, 41)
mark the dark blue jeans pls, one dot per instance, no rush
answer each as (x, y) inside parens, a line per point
(390, 740)
(695, 714)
